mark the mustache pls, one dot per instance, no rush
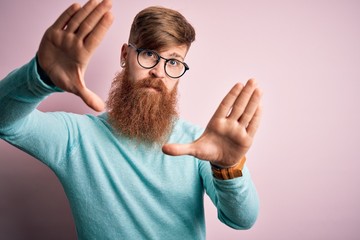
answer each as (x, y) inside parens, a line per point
(151, 82)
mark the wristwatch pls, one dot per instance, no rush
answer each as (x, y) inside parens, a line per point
(228, 173)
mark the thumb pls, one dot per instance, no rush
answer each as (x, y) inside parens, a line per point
(92, 99)
(178, 149)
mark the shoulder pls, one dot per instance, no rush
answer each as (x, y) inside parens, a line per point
(80, 122)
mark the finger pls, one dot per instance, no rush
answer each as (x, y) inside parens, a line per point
(64, 18)
(251, 108)
(255, 122)
(80, 15)
(91, 99)
(242, 100)
(226, 104)
(99, 16)
(95, 37)
(178, 149)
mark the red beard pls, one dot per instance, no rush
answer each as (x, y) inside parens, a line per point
(143, 110)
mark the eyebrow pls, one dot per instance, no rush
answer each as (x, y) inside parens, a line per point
(175, 55)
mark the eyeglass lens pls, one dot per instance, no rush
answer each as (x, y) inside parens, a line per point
(173, 67)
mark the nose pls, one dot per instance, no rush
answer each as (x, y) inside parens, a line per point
(159, 70)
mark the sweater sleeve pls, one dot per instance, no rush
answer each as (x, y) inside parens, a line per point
(236, 199)
(43, 135)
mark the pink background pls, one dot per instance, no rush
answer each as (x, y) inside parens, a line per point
(305, 159)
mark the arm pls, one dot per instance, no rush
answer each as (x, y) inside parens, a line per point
(224, 143)
(236, 199)
(20, 93)
(63, 54)
(20, 123)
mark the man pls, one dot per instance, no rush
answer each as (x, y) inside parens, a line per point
(136, 171)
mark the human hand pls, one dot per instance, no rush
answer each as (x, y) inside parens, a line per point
(67, 46)
(231, 130)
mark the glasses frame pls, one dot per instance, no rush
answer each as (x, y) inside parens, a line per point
(159, 57)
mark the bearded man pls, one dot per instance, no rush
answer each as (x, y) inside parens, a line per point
(136, 171)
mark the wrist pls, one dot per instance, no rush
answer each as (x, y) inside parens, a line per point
(43, 75)
(224, 173)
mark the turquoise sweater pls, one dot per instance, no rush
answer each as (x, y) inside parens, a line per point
(117, 188)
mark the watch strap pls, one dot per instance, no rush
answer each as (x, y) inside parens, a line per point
(228, 173)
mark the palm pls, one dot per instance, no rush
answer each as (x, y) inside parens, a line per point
(68, 45)
(230, 132)
(64, 62)
(223, 141)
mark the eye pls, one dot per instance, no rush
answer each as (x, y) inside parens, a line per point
(148, 54)
(174, 63)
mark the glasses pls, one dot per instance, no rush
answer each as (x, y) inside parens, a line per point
(149, 59)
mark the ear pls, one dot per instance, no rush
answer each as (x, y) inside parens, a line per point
(124, 54)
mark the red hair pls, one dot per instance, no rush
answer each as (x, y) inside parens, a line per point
(158, 27)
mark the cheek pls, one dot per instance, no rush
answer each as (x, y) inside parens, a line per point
(135, 73)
